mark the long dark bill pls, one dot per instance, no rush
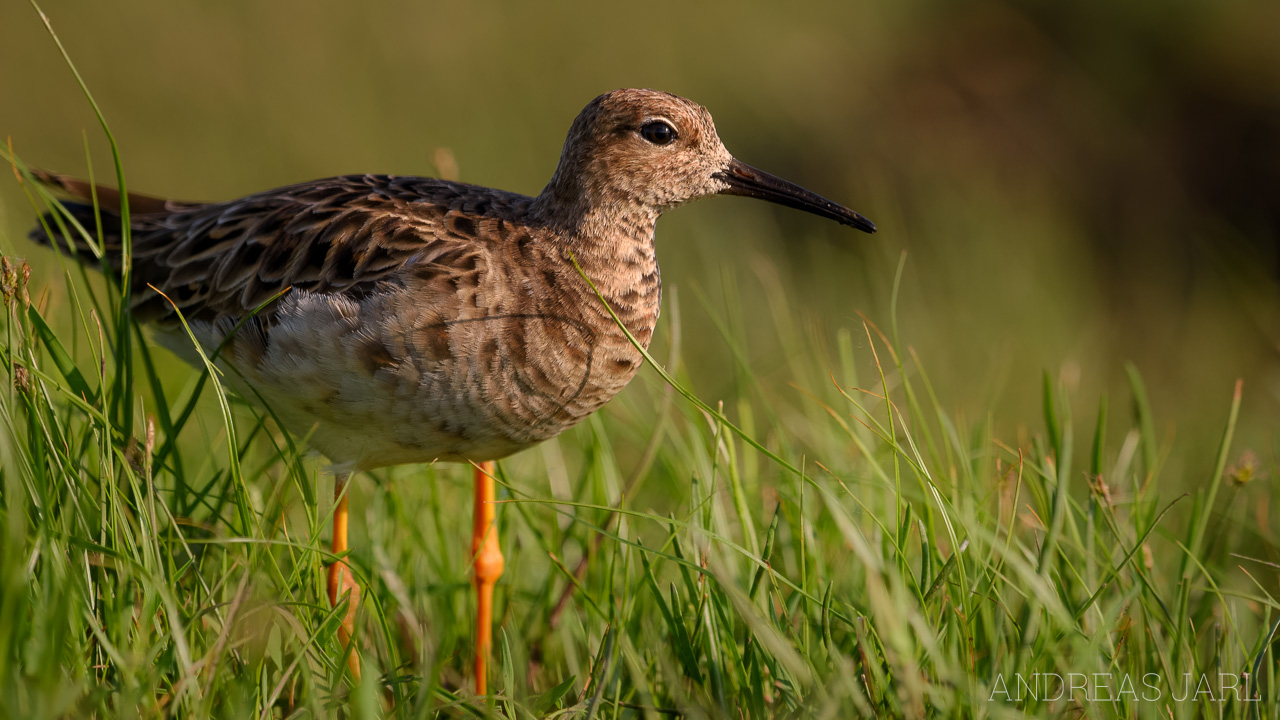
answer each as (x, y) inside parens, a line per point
(749, 182)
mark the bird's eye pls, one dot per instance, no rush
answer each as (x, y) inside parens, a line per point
(658, 132)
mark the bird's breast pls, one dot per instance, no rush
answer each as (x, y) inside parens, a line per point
(409, 374)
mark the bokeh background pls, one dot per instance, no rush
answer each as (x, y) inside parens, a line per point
(1075, 185)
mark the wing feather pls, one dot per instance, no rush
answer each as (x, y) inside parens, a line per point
(343, 234)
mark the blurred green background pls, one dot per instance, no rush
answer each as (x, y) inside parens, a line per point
(1075, 186)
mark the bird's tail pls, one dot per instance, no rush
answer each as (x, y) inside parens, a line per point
(69, 230)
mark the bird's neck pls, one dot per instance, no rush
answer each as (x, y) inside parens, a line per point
(611, 238)
(613, 244)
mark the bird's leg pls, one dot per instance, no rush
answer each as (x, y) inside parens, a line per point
(341, 581)
(487, 569)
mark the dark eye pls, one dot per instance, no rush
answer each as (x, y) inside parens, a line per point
(658, 132)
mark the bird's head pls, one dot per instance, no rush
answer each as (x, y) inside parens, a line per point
(657, 151)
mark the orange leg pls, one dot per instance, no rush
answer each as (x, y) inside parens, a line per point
(487, 569)
(341, 581)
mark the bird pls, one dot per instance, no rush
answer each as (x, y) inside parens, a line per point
(395, 319)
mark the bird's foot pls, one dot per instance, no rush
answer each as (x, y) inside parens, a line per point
(342, 582)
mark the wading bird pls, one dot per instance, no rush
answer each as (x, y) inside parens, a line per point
(408, 320)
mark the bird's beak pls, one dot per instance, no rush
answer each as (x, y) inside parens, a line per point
(750, 182)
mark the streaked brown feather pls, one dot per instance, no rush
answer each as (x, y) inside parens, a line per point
(339, 234)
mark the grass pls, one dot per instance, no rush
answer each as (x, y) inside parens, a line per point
(850, 549)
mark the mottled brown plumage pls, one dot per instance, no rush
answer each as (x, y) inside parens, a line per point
(419, 319)
(406, 319)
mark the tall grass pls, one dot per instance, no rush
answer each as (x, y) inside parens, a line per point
(849, 549)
